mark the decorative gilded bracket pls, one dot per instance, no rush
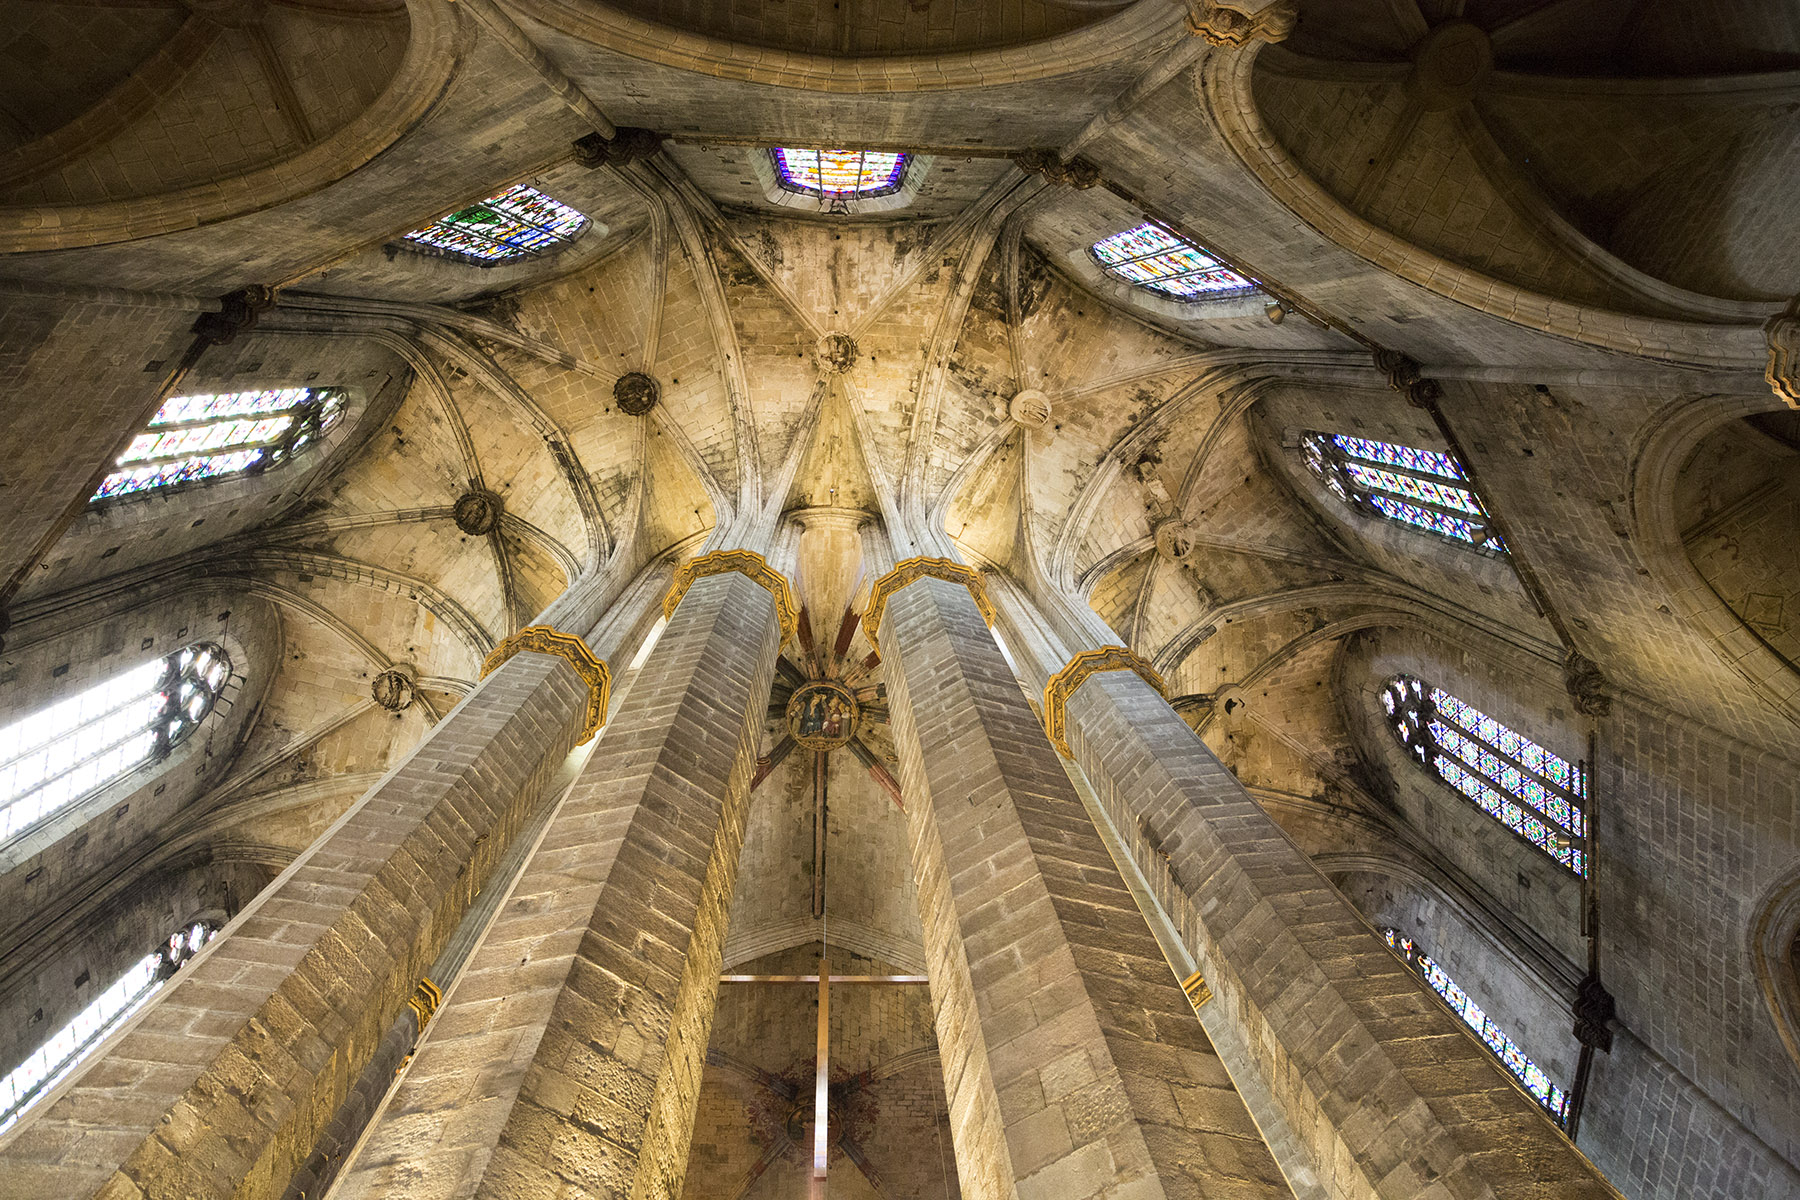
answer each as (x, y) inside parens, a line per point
(425, 1000)
(911, 570)
(1198, 993)
(1066, 682)
(747, 563)
(543, 639)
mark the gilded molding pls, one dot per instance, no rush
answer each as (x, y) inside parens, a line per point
(1238, 24)
(911, 570)
(1198, 993)
(1065, 683)
(425, 1000)
(747, 563)
(544, 639)
(1783, 334)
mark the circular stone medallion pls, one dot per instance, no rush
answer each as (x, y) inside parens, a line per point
(822, 714)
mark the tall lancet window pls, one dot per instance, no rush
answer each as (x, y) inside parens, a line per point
(519, 222)
(1152, 257)
(229, 433)
(1505, 1049)
(1425, 489)
(1531, 791)
(839, 174)
(52, 1062)
(65, 753)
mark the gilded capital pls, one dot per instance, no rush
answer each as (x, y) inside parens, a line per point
(1198, 992)
(425, 1000)
(1065, 683)
(742, 562)
(911, 570)
(544, 639)
(1783, 334)
(1240, 22)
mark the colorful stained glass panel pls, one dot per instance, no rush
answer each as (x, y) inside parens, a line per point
(1150, 256)
(1425, 489)
(1553, 1098)
(1525, 787)
(211, 435)
(519, 221)
(839, 174)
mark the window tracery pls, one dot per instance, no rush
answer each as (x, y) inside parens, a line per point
(519, 222)
(1149, 256)
(210, 435)
(52, 1062)
(839, 174)
(1536, 794)
(66, 752)
(1424, 489)
(1553, 1098)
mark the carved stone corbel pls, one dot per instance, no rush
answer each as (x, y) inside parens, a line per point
(1783, 334)
(1077, 173)
(629, 145)
(1240, 22)
(1586, 685)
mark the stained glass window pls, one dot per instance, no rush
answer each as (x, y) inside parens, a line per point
(209, 435)
(1150, 256)
(62, 754)
(1425, 489)
(1525, 787)
(518, 222)
(839, 174)
(1505, 1049)
(52, 1062)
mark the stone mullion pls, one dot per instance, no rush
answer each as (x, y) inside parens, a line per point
(1075, 1065)
(567, 1056)
(220, 1088)
(1392, 1092)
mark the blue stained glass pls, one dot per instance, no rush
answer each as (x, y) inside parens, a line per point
(517, 222)
(839, 174)
(1553, 1098)
(1152, 257)
(1362, 472)
(1525, 787)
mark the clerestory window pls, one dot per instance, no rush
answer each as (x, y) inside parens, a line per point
(52, 1062)
(1150, 256)
(517, 223)
(1423, 489)
(64, 753)
(839, 174)
(1553, 1098)
(228, 433)
(1536, 794)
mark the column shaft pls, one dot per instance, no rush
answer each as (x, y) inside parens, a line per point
(566, 1060)
(222, 1085)
(1074, 1063)
(1395, 1097)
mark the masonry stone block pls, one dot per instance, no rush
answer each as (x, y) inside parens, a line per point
(1395, 1098)
(221, 1087)
(566, 1059)
(1063, 1031)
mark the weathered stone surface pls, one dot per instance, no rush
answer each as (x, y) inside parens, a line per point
(1395, 1094)
(1074, 1063)
(221, 1086)
(567, 1058)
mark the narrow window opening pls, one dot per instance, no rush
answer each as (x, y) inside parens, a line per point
(62, 754)
(1151, 257)
(229, 433)
(69, 1046)
(1536, 794)
(520, 222)
(1553, 1098)
(1422, 489)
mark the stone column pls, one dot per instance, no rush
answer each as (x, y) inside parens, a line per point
(1396, 1098)
(222, 1085)
(566, 1059)
(1074, 1063)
